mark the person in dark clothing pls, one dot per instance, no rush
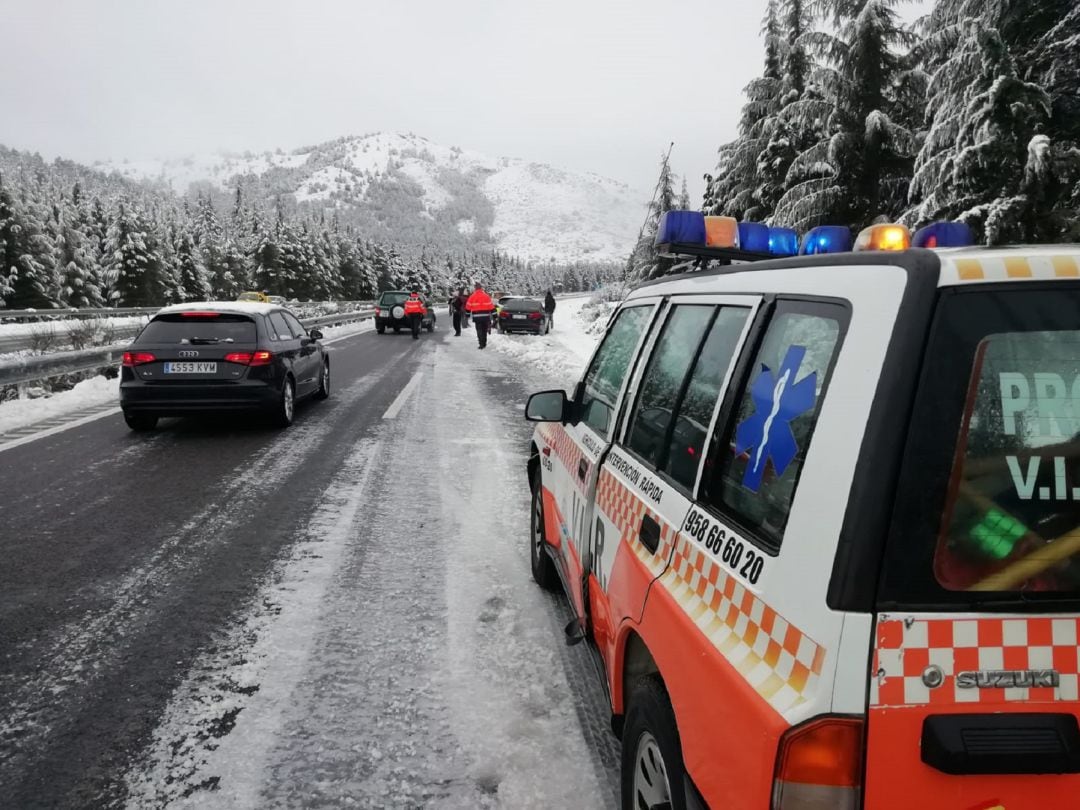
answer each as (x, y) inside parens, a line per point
(457, 310)
(481, 307)
(549, 308)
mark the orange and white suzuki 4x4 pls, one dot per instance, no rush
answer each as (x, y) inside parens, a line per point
(820, 519)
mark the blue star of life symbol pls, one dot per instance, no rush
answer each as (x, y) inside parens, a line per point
(767, 431)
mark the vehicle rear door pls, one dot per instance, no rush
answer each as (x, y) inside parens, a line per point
(580, 446)
(646, 483)
(973, 698)
(195, 347)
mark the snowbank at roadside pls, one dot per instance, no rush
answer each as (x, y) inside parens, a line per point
(560, 355)
(100, 390)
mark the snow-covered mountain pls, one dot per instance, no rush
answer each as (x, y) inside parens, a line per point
(407, 188)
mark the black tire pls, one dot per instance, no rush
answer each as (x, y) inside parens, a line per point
(285, 410)
(652, 762)
(141, 422)
(323, 391)
(430, 327)
(543, 568)
(380, 328)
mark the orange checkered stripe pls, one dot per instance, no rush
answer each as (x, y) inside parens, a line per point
(566, 449)
(1005, 268)
(907, 647)
(625, 510)
(777, 659)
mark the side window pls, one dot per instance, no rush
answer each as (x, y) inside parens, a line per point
(662, 382)
(702, 393)
(604, 379)
(297, 328)
(279, 327)
(763, 450)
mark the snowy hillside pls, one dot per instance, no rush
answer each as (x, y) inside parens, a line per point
(527, 209)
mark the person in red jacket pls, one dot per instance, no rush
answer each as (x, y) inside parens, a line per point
(480, 306)
(415, 311)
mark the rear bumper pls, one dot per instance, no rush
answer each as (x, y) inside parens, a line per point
(178, 400)
(518, 326)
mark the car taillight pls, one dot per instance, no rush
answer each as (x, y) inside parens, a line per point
(534, 316)
(504, 314)
(819, 764)
(137, 358)
(250, 358)
(378, 312)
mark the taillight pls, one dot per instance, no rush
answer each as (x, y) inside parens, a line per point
(250, 358)
(819, 764)
(535, 316)
(137, 358)
(378, 312)
(504, 314)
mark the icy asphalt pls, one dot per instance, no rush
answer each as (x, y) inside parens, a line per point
(340, 614)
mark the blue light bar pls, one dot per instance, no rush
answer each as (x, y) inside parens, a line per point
(754, 236)
(826, 239)
(944, 234)
(783, 242)
(681, 226)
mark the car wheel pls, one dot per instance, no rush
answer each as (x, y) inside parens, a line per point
(380, 328)
(543, 569)
(323, 391)
(652, 772)
(141, 422)
(286, 407)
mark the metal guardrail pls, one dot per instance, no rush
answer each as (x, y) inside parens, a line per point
(14, 315)
(22, 370)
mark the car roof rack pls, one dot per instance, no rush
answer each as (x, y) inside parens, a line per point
(720, 255)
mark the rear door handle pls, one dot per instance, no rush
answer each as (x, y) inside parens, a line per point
(649, 534)
(582, 469)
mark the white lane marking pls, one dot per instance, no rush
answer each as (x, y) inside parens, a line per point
(41, 434)
(399, 403)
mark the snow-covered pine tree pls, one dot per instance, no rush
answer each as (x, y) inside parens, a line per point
(859, 169)
(31, 260)
(134, 265)
(75, 266)
(189, 262)
(645, 263)
(211, 242)
(9, 231)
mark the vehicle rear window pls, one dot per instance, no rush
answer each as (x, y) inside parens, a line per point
(177, 328)
(522, 305)
(990, 502)
(388, 299)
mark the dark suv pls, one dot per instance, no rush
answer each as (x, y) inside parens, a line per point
(225, 356)
(390, 311)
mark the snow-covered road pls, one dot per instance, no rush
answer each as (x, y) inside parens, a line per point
(393, 652)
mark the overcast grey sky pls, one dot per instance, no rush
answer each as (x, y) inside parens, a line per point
(591, 85)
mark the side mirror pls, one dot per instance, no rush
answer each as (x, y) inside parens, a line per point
(315, 334)
(546, 406)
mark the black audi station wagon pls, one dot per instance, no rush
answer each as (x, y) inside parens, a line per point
(220, 357)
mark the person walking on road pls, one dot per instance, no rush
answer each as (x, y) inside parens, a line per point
(415, 311)
(480, 306)
(549, 308)
(457, 309)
